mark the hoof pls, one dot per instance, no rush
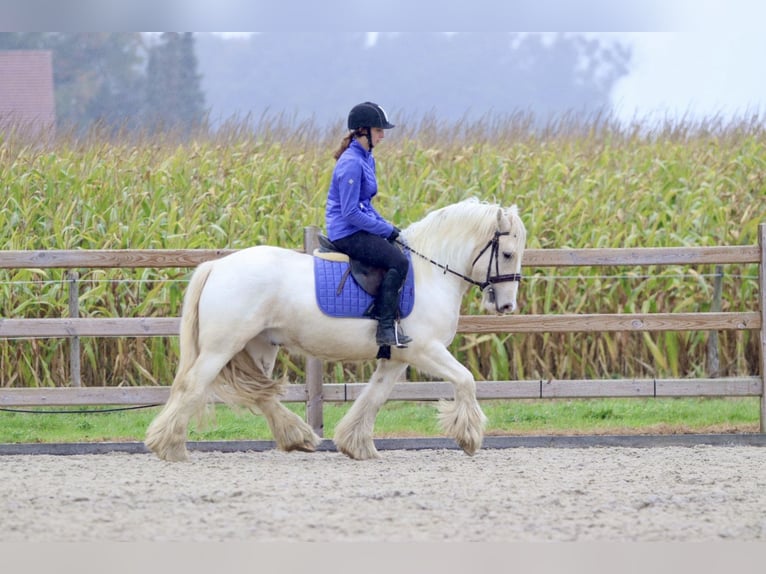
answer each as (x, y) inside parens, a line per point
(470, 448)
(308, 446)
(175, 454)
(361, 452)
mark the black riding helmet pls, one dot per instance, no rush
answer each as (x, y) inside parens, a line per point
(368, 115)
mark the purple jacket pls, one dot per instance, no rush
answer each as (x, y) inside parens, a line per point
(349, 199)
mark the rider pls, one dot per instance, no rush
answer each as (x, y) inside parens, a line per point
(353, 224)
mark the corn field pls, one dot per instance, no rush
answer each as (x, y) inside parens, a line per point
(579, 183)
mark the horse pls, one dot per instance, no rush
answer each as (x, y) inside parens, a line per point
(239, 310)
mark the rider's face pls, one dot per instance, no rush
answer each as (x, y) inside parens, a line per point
(376, 134)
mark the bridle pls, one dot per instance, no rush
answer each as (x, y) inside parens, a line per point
(494, 256)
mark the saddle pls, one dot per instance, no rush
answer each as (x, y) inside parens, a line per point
(348, 288)
(368, 277)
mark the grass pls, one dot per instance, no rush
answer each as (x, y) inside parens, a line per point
(411, 419)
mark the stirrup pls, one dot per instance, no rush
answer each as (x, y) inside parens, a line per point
(399, 341)
(401, 338)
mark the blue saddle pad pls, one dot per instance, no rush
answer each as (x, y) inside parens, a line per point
(352, 301)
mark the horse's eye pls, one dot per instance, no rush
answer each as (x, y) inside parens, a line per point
(507, 255)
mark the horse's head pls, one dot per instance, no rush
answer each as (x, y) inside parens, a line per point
(497, 266)
(477, 242)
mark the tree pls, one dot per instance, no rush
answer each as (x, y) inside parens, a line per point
(174, 98)
(23, 41)
(98, 77)
(104, 78)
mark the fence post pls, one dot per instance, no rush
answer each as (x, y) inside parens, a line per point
(762, 332)
(74, 341)
(314, 367)
(713, 363)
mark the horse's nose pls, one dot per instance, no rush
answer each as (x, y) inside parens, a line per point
(507, 308)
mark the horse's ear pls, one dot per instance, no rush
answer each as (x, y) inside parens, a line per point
(503, 222)
(511, 214)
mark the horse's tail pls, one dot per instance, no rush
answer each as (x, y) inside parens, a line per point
(241, 380)
(166, 435)
(189, 334)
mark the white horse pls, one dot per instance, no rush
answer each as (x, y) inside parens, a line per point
(238, 311)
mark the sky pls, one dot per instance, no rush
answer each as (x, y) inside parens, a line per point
(693, 75)
(689, 75)
(692, 59)
(697, 59)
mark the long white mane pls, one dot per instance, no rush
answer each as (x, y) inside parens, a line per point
(450, 234)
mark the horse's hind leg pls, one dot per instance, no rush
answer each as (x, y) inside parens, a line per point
(166, 435)
(254, 387)
(289, 430)
(353, 434)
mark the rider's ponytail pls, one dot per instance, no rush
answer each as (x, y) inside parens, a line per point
(346, 141)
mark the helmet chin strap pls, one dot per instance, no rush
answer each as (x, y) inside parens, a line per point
(366, 134)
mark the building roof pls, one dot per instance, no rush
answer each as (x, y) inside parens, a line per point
(26, 91)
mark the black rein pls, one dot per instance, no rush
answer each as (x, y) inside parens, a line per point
(494, 244)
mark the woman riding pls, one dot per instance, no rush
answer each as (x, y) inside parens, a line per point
(353, 224)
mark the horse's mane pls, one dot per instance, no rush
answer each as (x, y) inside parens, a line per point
(452, 232)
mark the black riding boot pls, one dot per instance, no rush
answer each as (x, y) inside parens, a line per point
(388, 305)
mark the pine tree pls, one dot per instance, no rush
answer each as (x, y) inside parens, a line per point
(193, 101)
(174, 98)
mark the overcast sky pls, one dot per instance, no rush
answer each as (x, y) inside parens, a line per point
(691, 58)
(696, 59)
(694, 75)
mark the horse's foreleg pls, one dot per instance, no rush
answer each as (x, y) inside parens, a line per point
(166, 435)
(353, 434)
(462, 419)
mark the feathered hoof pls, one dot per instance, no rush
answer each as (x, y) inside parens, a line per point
(469, 447)
(465, 423)
(299, 436)
(368, 452)
(353, 443)
(308, 445)
(175, 453)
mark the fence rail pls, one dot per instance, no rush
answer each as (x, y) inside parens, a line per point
(169, 326)
(158, 258)
(314, 392)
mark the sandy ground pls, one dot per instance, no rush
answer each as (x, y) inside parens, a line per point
(701, 493)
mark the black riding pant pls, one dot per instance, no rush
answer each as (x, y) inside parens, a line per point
(374, 250)
(379, 252)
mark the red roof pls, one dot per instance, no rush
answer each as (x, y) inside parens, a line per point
(26, 91)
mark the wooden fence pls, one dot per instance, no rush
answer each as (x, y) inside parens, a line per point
(313, 392)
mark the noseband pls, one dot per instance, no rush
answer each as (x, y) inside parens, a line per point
(494, 256)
